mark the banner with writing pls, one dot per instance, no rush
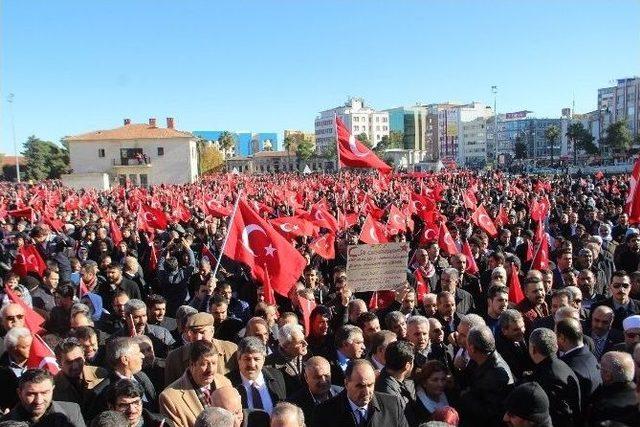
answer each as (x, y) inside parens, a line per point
(377, 267)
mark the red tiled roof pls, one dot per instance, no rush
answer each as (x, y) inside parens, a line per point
(132, 131)
(11, 160)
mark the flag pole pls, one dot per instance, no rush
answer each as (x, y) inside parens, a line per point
(226, 237)
(335, 127)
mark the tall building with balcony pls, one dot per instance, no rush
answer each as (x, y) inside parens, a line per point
(357, 117)
(135, 153)
(621, 102)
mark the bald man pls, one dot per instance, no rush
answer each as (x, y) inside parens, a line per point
(604, 337)
(318, 388)
(286, 414)
(358, 404)
(228, 398)
(11, 316)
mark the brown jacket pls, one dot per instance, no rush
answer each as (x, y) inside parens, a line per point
(177, 360)
(179, 401)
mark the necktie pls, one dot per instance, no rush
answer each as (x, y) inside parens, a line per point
(206, 393)
(362, 416)
(255, 396)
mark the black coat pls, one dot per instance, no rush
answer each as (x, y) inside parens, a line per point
(481, 404)
(384, 410)
(291, 370)
(405, 390)
(517, 357)
(9, 381)
(464, 302)
(60, 414)
(255, 418)
(305, 401)
(563, 389)
(99, 395)
(616, 402)
(273, 380)
(160, 337)
(586, 367)
(620, 315)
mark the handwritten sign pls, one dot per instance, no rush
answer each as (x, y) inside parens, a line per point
(377, 267)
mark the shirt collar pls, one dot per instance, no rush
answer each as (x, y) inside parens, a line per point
(376, 364)
(258, 381)
(573, 349)
(342, 359)
(354, 407)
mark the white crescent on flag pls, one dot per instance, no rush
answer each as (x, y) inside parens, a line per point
(354, 147)
(148, 216)
(286, 227)
(245, 236)
(372, 234)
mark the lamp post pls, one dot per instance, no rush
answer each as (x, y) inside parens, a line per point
(494, 90)
(10, 98)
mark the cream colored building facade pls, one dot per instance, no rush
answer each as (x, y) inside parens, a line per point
(138, 154)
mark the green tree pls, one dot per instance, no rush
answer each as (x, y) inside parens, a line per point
(329, 152)
(395, 139)
(618, 137)
(211, 159)
(520, 148)
(551, 134)
(364, 139)
(304, 149)
(44, 159)
(582, 140)
(227, 140)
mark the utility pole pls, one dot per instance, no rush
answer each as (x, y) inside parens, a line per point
(13, 130)
(494, 90)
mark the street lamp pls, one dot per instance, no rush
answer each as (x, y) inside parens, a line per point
(494, 90)
(10, 98)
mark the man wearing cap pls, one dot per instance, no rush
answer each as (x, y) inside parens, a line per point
(200, 327)
(527, 406)
(631, 327)
(622, 305)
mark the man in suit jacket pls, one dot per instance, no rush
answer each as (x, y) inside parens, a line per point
(184, 399)
(358, 404)
(126, 397)
(449, 281)
(622, 305)
(510, 343)
(491, 382)
(46, 412)
(13, 363)
(616, 400)
(260, 387)
(578, 357)
(604, 337)
(125, 360)
(228, 398)
(349, 344)
(317, 386)
(393, 378)
(556, 378)
(289, 356)
(199, 326)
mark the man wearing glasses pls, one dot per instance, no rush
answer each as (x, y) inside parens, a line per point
(11, 316)
(619, 301)
(126, 396)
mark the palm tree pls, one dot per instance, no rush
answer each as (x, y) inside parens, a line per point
(227, 140)
(551, 134)
(574, 133)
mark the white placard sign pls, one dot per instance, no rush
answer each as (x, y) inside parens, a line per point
(377, 267)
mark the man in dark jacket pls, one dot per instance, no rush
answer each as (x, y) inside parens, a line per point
(622, 305)
(491, 382)
(358, 404)
(510, 343)
(115, 283)
(37, 407)
(616, 399)
(393, 378)
(173, 276)
(556, 378)
(578, 357)
(126, 396)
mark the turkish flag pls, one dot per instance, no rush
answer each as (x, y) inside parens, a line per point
(216, 209)
(632, 206)
(396, 223)
(502, 217)
(293, 226)
(41, 356)
(324, 246)
(321, 217)
(154, 217)
(306, 307)
(429, 233)
(445, 241)
(515, 290)
(472, 267)
(541, 257)
(116, 234)
(254, 242)
(353, 153)
(373, 232)
(206, 252)
(32, 320)
(28, 260)
(153, 256)
(482, 220)
(26, 213)
(468, 201)
(267, 289)
(422, 206)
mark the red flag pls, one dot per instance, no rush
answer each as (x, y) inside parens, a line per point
(422, 206)
(472, 267)
(324, 246)
(541, 257)
(205, 252)
(293, 226)
(321, 217)
(216, 209)
(253, 241)
(373, 301)
(41, 356)
(423, 285)
(445, 241)
(396, 223)
(632, 206)
(32, 320)
(502, 217)
(267, 290)
(482, 220)
(28, 260)
(468, 201)
(373, 232)
(306, 307)
(515, 290)
(353, 153)
(153, 257)
(26, 213)
(154, 217)
(116, 234)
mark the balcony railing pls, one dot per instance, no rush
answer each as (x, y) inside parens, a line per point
(146, 161)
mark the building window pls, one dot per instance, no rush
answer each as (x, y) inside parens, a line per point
(100, 152)
(160, 151)
(144, 180)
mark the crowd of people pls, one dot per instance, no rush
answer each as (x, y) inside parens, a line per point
(532, 319)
